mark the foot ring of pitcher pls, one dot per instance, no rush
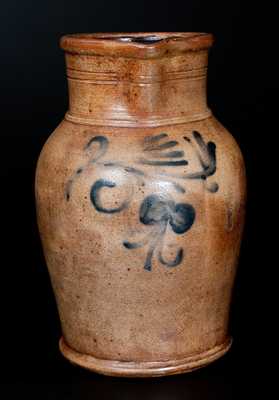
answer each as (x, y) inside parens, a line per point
(144, 369)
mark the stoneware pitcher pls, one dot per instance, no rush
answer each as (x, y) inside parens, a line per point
(140, 201)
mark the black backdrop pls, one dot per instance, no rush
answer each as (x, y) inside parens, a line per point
(242, 89)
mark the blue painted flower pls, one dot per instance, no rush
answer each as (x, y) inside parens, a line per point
(156, 209)
(160, 211)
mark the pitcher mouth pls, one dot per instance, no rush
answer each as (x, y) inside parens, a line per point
(136, 45)
(147, 39)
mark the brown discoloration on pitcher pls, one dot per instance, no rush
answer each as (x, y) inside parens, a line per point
(140, 199)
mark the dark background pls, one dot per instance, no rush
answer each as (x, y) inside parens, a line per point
(242, 92)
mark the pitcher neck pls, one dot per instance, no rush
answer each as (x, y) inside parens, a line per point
(120, 88)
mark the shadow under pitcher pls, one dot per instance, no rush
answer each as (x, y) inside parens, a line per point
(140, 197)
